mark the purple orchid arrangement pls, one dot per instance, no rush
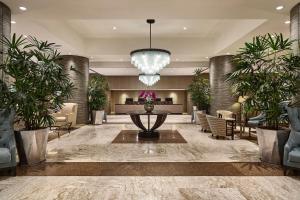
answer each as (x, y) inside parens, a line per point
(149, 96)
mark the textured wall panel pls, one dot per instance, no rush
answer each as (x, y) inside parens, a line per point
(222, 98)
(295, 27)
(78, 68)
(5, 27)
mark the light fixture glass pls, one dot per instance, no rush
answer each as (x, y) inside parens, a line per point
(22, 8)
(149, 79)
(150, 60)
(279, 7)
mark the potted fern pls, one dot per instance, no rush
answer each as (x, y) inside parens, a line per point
(41, 86)
(267, 72)
(98, 87)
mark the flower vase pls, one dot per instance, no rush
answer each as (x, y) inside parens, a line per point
(149, 107)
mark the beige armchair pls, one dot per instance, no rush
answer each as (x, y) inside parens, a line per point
(68, 113)
(219, 127)
(225, 114)
(203, 122)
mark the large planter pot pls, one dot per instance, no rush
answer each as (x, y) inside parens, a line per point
(271, 144)
(32, 145)
(97, 117)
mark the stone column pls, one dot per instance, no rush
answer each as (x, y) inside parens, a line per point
(295, 35)
(222, 98)
(5, 27)
(78, 69)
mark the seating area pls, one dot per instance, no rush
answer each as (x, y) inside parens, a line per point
(158, 100)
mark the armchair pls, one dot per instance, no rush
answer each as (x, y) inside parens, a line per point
(291, 156)
(225, 114)
(220, 127)
(203, 121)
(68, 113)
(7, 142)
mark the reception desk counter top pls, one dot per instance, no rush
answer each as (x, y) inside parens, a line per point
(171, 108)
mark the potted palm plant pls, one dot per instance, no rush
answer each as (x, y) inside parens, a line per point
(200, 91)
(41, 86)
(98, 87)
(267, 73)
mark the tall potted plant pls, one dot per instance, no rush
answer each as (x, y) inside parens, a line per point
(267, 72)
(98, 87)
(41, 85)
(200, 91)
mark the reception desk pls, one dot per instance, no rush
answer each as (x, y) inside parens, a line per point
(126, 108)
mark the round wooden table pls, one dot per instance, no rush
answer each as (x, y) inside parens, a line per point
(148, 132)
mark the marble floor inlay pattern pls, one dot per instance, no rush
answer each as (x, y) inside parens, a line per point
(165, 136)
(152, 188)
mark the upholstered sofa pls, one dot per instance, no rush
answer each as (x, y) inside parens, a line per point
(291, 157)
(68, 113)
(7, 142)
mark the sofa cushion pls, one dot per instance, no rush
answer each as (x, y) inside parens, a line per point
(294, 155)
(5, 156)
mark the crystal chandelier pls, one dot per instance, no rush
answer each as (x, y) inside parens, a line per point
(149, 79)
(150, 60)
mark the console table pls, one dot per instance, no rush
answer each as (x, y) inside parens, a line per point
(148, 132)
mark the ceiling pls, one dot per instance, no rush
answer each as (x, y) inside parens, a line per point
(213, 27)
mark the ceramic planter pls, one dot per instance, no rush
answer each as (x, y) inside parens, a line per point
(32, 145)
(271, 144)
(148, 107)
(97, 117)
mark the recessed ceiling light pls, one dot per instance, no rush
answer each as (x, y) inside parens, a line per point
(228, 53)
(25, 36)
(207, 57)
(279, 7)
(13, 22)
(287, 22)
(114, 28)
(185, 28)
(22, 8)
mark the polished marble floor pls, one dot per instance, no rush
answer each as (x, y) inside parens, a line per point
(94, 144)
(200, 176)
(152, 188)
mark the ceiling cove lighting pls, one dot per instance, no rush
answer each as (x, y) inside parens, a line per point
(149, 79)
(150, 60)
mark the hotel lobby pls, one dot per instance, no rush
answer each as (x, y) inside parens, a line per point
(194, 99)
